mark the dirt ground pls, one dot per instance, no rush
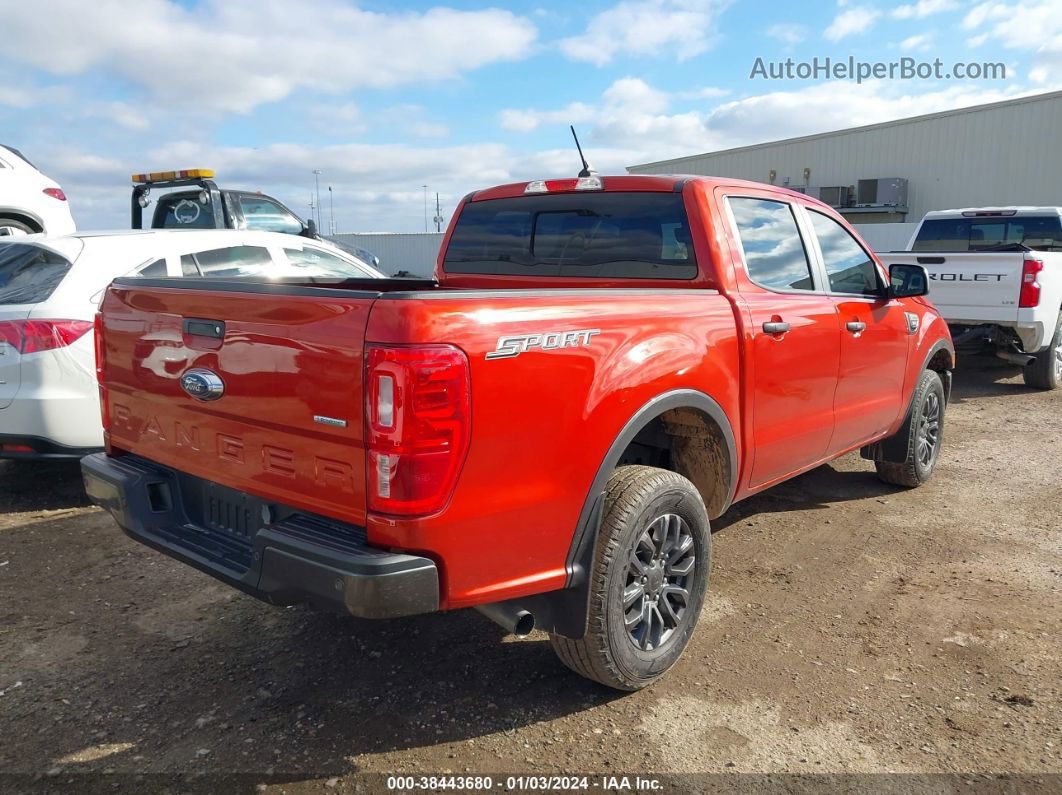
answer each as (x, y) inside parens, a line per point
(851, 627)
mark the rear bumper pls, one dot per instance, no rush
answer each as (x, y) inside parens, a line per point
(267, 550)
(1033, 335)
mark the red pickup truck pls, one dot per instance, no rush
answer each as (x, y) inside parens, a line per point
(543, 431)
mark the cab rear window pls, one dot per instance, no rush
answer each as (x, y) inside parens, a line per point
(29, 274)
(1040, 233)
(603, 235)
(183, 211)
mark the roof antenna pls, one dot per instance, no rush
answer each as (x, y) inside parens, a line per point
(588, 170)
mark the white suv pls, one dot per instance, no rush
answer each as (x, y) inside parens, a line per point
(29, 201)
(50, 289)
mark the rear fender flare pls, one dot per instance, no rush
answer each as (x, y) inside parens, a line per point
(564, 612)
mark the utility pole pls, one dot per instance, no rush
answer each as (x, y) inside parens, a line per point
(317, 188)
(438, 215)
(331, 213)
(425, 207)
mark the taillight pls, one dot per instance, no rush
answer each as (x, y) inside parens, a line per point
(418, 416)
(55, 193)
(101, 361)
(1030, 286)
(34, 336)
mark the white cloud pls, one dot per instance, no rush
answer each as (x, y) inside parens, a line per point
(684, 28)
(923, 8)
(851, 22)
(788, 33)
(918, 42)
(233, 55)
(122, 114)
(526, 120)
(1034, 26)
(833, 106)
(429, 129)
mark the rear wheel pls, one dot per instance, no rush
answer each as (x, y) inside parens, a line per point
(1045, 371)
(923, 429)
(648, 581)
(9, 227)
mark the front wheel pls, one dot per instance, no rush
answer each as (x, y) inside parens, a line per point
(648, 582)
(1045, 371)
(923, 430)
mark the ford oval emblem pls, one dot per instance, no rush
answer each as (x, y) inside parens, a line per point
(203, 384)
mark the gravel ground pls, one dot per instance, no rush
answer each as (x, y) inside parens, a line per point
(851, 627)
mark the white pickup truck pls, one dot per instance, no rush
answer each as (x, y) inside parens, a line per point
(996, 277)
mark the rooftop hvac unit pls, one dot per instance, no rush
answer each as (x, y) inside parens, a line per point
(883, 192)
(835, 195)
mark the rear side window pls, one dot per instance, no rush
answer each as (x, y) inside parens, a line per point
(770, 239)
(848, 266)
(234, 261)
(603, 235)
(29, 274)
(153, 270)
(1041, 233)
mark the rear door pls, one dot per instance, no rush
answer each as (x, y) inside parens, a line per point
(875, 334)
(795, 347)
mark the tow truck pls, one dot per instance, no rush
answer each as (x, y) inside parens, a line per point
(203, 205)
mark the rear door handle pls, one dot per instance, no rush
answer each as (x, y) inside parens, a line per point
(776, 328)
(855, 326)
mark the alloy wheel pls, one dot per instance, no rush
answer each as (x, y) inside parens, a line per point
(656, 594)
(929, 430)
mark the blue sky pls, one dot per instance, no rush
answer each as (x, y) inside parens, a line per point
(387, 97)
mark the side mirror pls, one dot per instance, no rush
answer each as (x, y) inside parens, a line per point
(908, 281)
(310, 229)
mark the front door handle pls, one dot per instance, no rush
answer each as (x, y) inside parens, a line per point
(856, 326)
(776, 328)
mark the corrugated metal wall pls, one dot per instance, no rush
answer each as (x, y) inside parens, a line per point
(1001, 154)
(414, 252)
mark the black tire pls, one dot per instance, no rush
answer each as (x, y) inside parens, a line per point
(923, 429)
(658, 518)
(15, 227)
(1045, 371)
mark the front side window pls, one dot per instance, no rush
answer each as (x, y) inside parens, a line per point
(848, 266)
(309, 261)
(262, 214)
(234, 261)
(625, 235)
(770, 239)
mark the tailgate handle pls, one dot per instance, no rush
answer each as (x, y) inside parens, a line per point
(204, 328)
(930, 260)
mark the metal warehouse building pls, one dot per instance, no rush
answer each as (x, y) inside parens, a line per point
(998, 154)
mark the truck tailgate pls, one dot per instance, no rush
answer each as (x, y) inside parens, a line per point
(288, 425)
(975, 287)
